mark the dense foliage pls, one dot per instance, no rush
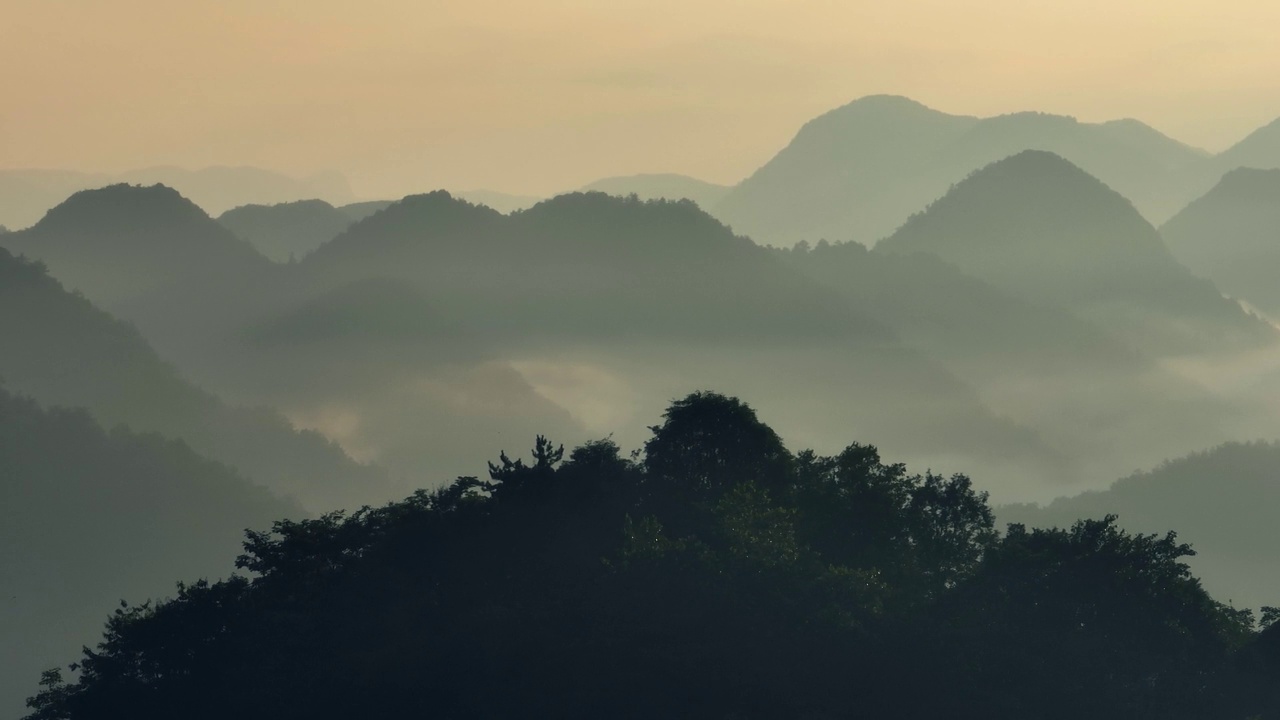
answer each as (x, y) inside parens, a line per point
(717, 575)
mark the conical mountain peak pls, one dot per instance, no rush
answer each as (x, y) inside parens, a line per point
(120, 207)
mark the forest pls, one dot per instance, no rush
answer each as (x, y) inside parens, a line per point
(718, 574)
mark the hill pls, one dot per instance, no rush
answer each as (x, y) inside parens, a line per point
(500, 201)
(123, 244)
(155, 259)
(661, 186)
(858, 172)
(1222, 501)
(1085, 390)
(62, 350)
(1260, 149)
(1232, 236)
(593, 295)
(25, 195)
(288, 230)
(1038, 227)
(89, 517)
(375, 365)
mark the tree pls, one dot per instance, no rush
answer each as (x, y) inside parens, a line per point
(709, 442)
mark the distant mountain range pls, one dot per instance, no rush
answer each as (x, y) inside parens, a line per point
(854, 173)
(61, 350)
(1031, 274)
(26, 194)
(859, 171)
(237, 323)
(1042, 229)
(288, 231)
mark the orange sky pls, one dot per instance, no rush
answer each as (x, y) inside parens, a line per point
(537, 96)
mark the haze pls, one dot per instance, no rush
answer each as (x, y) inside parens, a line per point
(615, 359)
(535, 98)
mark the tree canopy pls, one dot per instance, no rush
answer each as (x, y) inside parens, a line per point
(717, 574)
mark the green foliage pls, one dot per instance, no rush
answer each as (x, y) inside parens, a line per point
(721, 577)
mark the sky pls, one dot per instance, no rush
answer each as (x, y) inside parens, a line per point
(538, 97)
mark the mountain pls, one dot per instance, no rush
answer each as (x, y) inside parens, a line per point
(592, 296)
(1222, 501)
(62, 350)
(379, 368)
(122, 244)
(1038, 227)
(1083, 389)
(500, 201)
(662, 186)
(26, 194)
(1260, 149)
(361, 210)
(235, 322)
(857, 172)
(89, 517)
(1232, 236)
(288, 230)
(154, 258)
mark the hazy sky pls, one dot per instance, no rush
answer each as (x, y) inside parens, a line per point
(534, 96)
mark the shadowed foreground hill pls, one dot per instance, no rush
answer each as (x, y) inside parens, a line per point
(88, 518)
(62, 350)
(721, 576)
(1222, 501)
(289, 230)
(1232, 236)
(1040, 228)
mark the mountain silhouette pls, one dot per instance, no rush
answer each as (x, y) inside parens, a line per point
(1038, 227)
(500, 201)
(121, 244)
(155, 259)
(1260, 149)
(61, 350)
(288, 230)
(360, 210)
(661, 186)
(857, 172)
(1080, 386)
(1232, 236)
(26, 194)
(656, 297)
(89, 517)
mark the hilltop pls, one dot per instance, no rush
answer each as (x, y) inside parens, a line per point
(1038, 227)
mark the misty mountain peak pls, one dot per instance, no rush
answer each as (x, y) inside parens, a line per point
(120, 207)
(1250, 184)
(1041, 188)
(1260, 149)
